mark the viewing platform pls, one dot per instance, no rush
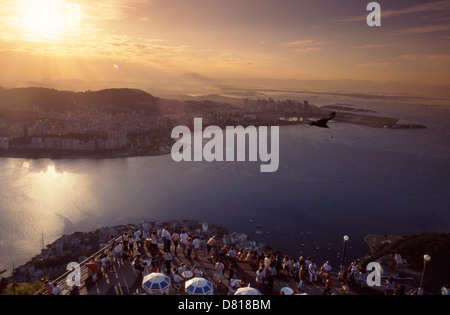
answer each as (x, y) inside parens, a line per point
(124, 279)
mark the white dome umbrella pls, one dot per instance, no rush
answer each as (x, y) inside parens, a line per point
(247, 291)
(156, 283)
(199, 286)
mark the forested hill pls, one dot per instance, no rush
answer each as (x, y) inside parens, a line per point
(51, 99)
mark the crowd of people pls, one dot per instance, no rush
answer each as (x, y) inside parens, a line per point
(268, 266)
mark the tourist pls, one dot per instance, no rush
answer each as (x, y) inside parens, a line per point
(137, 264)
(106, 264)
(56, 289)
(131, 246)
(279, 263)
(111, 240)
(445, 290)
(154, 244)
(312, 271)
(223, 252)
(166, 237)
(271, 274)
(160, 261)
(138, 238)
(328, 285)
(125, 237)
(175, 240)
(344, 281)
(261, 256)
(182, 268)
(177, 278)
(130, 249)
(232, 254)
(92, 268)
(190, 246)
(196, 246)
(249, 257)
(301, 261)
(118, 252)
(295, 268)
(260, 276)
(325, 270)
(286, 264)
(184, 241)
(124, 251)
(211, 244)
(303, 276)
(353, 273)
(168, 259)
(267, 260)
(230, 272)
(241, 255)
(197, 272)
(390, 285)
(362, 274)
(219, 266)
(49, 287)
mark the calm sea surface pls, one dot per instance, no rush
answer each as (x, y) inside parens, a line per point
(350, 179)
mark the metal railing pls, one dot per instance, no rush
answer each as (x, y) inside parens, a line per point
(83, 273)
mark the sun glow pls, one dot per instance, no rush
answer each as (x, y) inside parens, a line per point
(49, 19)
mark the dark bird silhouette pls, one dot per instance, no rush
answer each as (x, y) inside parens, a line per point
(2, 272)
(323, 122)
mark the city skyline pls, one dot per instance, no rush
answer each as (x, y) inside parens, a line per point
(138, 40)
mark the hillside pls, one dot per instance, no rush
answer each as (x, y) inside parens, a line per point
(51, 99)
(412, 248)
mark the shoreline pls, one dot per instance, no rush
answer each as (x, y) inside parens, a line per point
(35, 154)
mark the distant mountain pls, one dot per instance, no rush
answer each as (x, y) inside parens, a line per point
(196, 84)
(193, 77)
(51, 99)
(341, 86)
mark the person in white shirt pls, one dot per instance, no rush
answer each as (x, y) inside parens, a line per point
(184, 241)
(182, 268)
(196, 244)
(177, 278)
(286, 264)
(232, 254)
(219, 270)
(271, 274)
(118, 252)
(197, 272)
(312, 271)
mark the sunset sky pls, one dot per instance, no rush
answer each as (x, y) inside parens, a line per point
(128, 40)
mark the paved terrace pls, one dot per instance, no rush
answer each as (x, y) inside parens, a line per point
(123, 280)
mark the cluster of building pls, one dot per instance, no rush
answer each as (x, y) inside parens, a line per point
(85, 128)
(70, 144)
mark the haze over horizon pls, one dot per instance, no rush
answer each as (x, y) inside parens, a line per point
(137, 43)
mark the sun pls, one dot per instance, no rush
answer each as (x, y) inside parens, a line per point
(49, 19)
